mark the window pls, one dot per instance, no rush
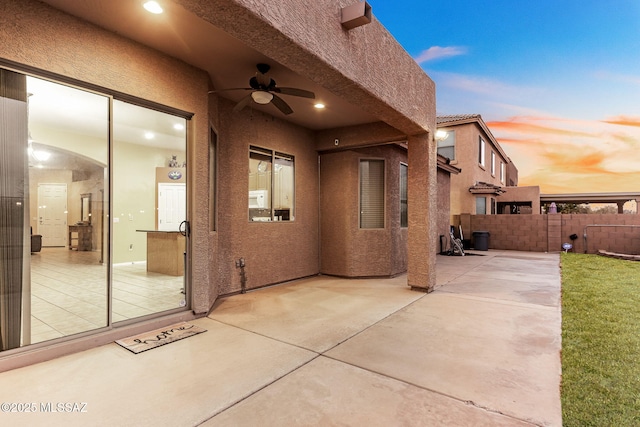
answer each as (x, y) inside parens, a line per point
(502, 172)
(271, 185)
(447, 146)
(493, 163)
(481, 151)
(371, 193)
(404, 218)
(481, 205)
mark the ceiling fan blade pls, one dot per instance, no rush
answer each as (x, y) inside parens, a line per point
(243, 103)
(228, 89)
(295, 92)
(281, 105)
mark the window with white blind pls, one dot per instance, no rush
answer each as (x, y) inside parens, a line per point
(481, 151)
(371, 193)
(404, 216)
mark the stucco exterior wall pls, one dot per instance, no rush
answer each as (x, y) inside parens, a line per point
(466, 153)
(444, 217)
(35, 35)
(346, 249)
(273, 251)
(311, 41)
(546, 233)
(522, 194)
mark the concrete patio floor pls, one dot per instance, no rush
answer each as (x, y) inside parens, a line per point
(482, 350)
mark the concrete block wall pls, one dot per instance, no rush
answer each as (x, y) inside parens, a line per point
(546, 233)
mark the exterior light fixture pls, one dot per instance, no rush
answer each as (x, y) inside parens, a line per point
(153, 7)
(261, 97)
(356, 15)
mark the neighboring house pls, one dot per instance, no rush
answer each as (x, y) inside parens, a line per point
(487, 183)
(445, 172)
(164, 191)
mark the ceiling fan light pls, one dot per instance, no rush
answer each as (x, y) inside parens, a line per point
(153, 7)
(261, 97)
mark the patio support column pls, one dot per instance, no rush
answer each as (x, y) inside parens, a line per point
(422, 209)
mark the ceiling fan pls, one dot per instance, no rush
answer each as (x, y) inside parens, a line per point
(264, 89)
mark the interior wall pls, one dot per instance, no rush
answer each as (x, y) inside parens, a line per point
(134, 204)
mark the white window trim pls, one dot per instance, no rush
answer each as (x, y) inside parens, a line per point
(493, 163)
(481, 152)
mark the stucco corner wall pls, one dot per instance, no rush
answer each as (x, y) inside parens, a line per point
(346, 249)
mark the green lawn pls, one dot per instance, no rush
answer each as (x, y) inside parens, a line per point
(600, 341)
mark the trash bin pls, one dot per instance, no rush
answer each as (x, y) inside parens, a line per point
(481, 240)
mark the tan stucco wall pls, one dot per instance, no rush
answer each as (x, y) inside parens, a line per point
(347, 250)
(462, 201)
(522, 194)
(308, 38)
(35, 35)
(273, 251)
(444, 201)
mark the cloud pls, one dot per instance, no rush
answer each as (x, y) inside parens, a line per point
(438, 52)
(616, 77)
(624, 121)
(569, 155)
(524, 125)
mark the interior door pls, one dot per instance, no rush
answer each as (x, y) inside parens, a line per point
(172, 205)
(52, 214)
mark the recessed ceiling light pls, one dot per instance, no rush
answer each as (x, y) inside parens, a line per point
(149, 135)
(319, 105)
(178, 126)
(153, 7)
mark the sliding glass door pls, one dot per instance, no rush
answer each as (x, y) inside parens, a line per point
(92, 196)
(149, 204)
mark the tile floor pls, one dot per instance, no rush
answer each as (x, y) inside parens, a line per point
(69, 293)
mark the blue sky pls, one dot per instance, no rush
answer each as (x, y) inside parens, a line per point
(557, 81)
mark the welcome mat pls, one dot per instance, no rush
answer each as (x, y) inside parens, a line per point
(159, 337)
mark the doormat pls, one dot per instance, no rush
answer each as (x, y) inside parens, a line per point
(159, 337)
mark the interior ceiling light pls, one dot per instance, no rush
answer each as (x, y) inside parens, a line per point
(149, 135)
(319, 105)
(178, 126)
(261, 97)
(153, 7)
(441, 135)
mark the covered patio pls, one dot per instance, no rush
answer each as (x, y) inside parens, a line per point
(483, 349)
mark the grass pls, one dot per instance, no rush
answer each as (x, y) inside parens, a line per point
(600, 341)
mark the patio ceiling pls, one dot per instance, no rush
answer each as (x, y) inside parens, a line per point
(229, 62)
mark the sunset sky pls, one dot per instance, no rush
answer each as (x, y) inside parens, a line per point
(557, 81)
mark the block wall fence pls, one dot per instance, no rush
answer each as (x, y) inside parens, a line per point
(618, 233)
